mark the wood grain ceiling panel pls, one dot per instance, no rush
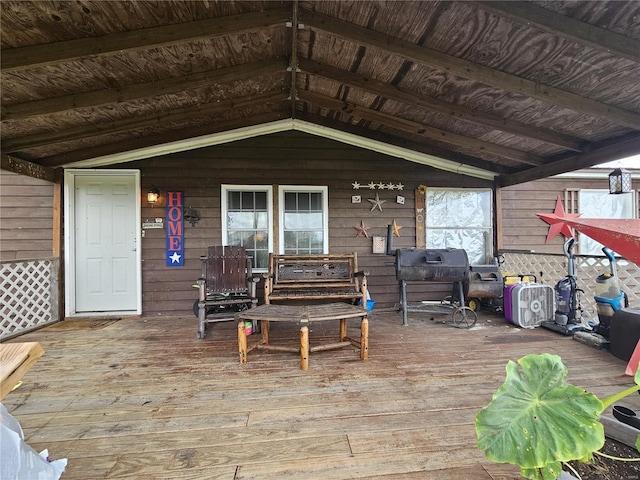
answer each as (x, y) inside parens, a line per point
(526, 87)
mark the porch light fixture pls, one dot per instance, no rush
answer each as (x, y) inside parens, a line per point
(619, 181)
(153, 195)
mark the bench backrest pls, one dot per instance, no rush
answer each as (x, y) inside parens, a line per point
(313, 269)
(226, 269)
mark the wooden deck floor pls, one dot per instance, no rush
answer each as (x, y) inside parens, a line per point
(143, 398)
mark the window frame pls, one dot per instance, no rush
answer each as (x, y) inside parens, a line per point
(282, 189)
(224, 195)
(490, 229)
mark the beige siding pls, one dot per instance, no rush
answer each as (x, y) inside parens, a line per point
(26, 217)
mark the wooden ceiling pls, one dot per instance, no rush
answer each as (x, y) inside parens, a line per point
(521, 90)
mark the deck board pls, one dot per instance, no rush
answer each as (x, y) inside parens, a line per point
(144, 398)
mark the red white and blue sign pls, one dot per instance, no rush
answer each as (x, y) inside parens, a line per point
(175, 229)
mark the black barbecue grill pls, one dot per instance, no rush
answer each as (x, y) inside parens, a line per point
(432, 265)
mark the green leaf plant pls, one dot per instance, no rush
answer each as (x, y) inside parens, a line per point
(539, 423)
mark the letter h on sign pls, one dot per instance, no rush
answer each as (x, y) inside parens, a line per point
(175, 229)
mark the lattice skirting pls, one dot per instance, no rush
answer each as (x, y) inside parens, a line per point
(29, 295)
(550, 268)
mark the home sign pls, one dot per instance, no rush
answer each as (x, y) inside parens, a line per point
(175, 229)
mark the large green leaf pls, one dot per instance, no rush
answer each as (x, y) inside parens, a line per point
(535, 421)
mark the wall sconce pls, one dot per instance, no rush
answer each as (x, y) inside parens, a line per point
(153, 195)
(619, 181)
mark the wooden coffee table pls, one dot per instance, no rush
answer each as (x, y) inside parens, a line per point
(303, 315)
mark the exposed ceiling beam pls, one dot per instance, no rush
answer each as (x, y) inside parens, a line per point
(146, 38)
(175, 141)
(293, 58)
(531, 15)
(187, 139)
(470, 70)
(459, 112)
(23, 167)
(137, 91)
(394, 151)
(615, 150)
(406, 143)
(105, 128)
(417, 128)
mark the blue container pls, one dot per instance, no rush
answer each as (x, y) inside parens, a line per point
(370, 304)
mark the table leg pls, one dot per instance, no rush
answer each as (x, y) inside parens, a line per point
(343, 329)
(242, 341)
(304, 347)
(264, 329)
(364, 338)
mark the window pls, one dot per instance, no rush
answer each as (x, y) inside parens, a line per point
(303, 220)
(601, 204)
(247, 220)
(460, 218)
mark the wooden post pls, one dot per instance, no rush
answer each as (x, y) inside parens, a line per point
(364, 338)
(242, 341)
(343, 329)
(304, 347)
(421, 237)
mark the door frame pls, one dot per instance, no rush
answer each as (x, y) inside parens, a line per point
(70, 247)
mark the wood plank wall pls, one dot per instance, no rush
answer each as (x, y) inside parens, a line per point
(291, 158)
(26, 217)
(521, 228)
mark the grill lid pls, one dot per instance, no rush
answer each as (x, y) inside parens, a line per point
(439, 265)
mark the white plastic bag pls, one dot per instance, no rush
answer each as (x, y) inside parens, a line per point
(18, 461)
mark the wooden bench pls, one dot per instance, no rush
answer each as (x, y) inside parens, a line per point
(317, 277)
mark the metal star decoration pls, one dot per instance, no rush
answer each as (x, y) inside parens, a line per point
(372, 185)
(555, 221)
(376, 202)
(362, 229)
(355, 185)
(396, 228)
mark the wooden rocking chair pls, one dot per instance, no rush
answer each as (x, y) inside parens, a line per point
(227, 285)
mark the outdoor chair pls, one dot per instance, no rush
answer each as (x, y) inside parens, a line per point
(227, 285)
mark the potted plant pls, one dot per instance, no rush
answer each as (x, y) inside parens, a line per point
(539, 423)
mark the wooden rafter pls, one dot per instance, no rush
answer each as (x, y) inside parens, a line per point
(417, 128)
(143, 39)
(618, 149)
(293, 65)
(417, 145)
(466, 69)
(179, 115)
(23, 167)
(137, 91)
(457, 111)
(529, 14)
(112, 148)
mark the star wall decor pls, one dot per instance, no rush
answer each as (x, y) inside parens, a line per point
(376, 202)
(377, 185)
(557, 225)
(362, 229)
(396, 228)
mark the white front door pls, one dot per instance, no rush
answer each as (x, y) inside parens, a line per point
(105, 229)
